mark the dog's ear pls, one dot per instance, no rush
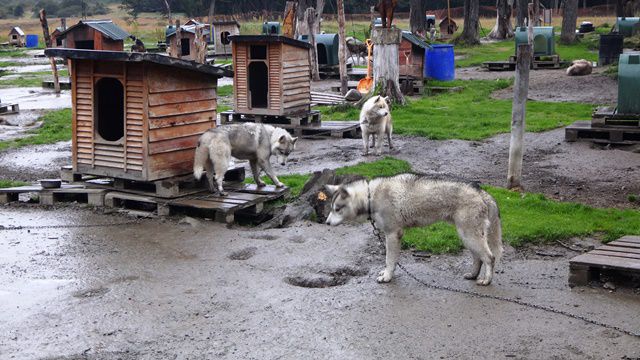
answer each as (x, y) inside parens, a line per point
(282, 139)
(388, 100)
(293, 140)
(331, 189)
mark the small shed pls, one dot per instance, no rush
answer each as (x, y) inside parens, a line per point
(188, 39)
(272, 75)
(138, 116)
(56, 39)
(222, 30)
(411, 56)
(447, 26)
(17, 37)
(94, 35)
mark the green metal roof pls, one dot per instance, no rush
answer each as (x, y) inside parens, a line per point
(106, 27)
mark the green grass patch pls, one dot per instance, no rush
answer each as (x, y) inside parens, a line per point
(4, 183)
(532, 218)
(470, 114)
(56, 127)
(25, 80)
(12, 53)
(225, 90)
(4, 64)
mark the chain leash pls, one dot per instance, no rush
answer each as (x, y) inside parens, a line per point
(378, 235)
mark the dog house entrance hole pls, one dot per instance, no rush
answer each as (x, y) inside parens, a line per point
(109, 109)
(259, 84)
(185, 46)
(322, 54)
(224, 38)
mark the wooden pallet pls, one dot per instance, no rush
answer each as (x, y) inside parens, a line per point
(411, 86)
(350, 86)
(244, 200)
(499, 65)
(583, 130)
(622, 255)
(320, 98)
(443, 89)
(166, 188)
(538, 63)
(65, 83)
(66, 193)
(607, 116)
(357, 74)
(305, 118)
(336, 129)
(9, 108)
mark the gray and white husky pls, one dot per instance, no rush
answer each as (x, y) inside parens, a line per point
(375, 121)
(248, 141)
(409, 200)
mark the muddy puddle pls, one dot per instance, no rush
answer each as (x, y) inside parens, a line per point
(30, 98)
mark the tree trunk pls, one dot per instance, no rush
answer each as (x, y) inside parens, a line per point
(175, 48)
(47, 41)
(417, 17)
(502, 29)
(169, 17)
(302, 28)
(470, 34)
(569, 19)
(619, 8)
(342, 45)
(289, 20)
(521, 8)
(311, 17)
(200, 45)
(319, 12)
(518, 115)
(386, 68)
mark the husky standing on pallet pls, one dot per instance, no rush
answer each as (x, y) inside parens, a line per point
(375, 120)
(409, 200)
(248, 141)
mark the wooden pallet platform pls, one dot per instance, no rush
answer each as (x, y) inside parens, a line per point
(350, 85)
(499, 65)
(607, 116)
(583, 130)
(622, 255)
(538, 63)
(336, 129)
(418, 86)
(66, 193)
(166, 188)
(357, 73)
(9, 108)
(302, 119)
(65, 83)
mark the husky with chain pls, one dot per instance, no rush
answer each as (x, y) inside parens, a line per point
(248, 141)
(375, 121)
(409, 200)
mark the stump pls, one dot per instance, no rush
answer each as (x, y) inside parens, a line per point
(386, 69)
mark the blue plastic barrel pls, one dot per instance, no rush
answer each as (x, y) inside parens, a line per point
(32, 41)
(439, 62)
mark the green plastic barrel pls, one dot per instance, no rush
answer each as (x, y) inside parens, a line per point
(327, 46)
(544, 43)
(271, 28)
(625, 26)
(629, 83)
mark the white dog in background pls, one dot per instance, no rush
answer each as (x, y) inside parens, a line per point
(375, 121)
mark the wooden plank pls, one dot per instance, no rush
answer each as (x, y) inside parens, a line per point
(177, 120)
(182, 96)
(182, 108)
(188, 142)
(169, 79)
(630, 238)
(204, 204)
(607, 262)
(615, 254)
(625, 244)
(178, 131)
(619, 248)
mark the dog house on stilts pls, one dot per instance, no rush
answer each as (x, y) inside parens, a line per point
(138, 116)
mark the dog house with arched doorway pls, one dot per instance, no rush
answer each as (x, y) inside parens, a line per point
(138, 116)
(272, 75)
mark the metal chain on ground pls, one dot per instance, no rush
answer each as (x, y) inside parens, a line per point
(376, 232)
(32, 227)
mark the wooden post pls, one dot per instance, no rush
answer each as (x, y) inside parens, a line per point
(47, 41)
(289, 20)
(175, 48)
(386, 68)
(200, 45)
(342, 44)
(518, 112)
(311, 17)
(536, 12)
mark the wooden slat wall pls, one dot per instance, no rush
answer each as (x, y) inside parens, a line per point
(83, 111)
(135, 117)
(296, 79)
(181, 106)
(240, 85)
(274, 59)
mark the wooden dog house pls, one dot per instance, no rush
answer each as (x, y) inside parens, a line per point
(17, 37)
(222, 31)
(411, 56)
(138, 116)
(272, 75)
(94, 35)
(188, 39)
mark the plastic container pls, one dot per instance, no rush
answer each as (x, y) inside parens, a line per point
(544, 43)
(629, 83)
(610, 48)
(32, 41)
(439, 63)
(626, 26)
(271, 28)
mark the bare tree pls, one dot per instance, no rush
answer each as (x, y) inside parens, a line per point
(569, 19)
(302, 27)
(471, 32)
(342, 51)
(503, 28)
(212, 10)
(417, 18)
(311, 17)
(169, 18)
(521, 12)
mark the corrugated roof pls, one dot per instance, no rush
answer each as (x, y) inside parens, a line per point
(189, 29)
(18, 30)
(105, 27)
(270, 39)
(415, 40)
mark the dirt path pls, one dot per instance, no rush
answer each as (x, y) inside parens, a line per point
(160, 289)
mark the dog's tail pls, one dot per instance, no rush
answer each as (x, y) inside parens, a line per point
(494, 233)
(200, 159)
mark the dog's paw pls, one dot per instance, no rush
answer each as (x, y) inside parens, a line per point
(470, 276)
(261, 184)
(223, 193)
(384, 277)
(483, 282)
(279, 185)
